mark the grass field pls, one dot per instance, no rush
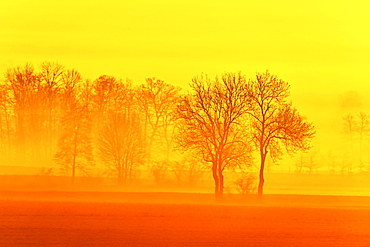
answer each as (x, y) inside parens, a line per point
(175, 219)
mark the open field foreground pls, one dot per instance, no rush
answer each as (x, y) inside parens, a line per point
(174, 219)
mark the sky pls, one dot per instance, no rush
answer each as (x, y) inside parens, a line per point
(322, 48)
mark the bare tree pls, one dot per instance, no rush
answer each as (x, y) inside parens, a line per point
(363, 132)
(189, 170)
(211, 123)
(75, 144)
(121, 140)
(299, 164)
(245, 183)
(275, 123)
(158, 100)
(36, 100)
(105, 92)
(26, 96)
(331, 160)
(106, 89)
(6, 123)
(350, 131)
(311, 161)
(356, 130)
(51, 77)
(308, 161)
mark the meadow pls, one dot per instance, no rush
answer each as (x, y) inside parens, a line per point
(35, 218)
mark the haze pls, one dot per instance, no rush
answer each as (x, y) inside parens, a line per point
(320, 48)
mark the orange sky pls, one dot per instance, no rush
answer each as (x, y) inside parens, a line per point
(322, 48)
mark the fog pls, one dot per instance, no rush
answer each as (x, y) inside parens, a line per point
(105, 162)
(62, 132)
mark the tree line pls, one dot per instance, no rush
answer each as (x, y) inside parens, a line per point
(54, 114)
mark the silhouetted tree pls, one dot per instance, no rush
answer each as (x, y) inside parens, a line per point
(308, 161)
(121, 139)
(6, 122)
(51, 77)
(299, 164)
(245, 183)
(105, 92)
(75, 145)
(363, 132)
(35, 100)
(158, 100)
(211, 123)
(349, 128)
(273, 120)
(331, 160)
(312, 162)
(188, 170)
(25, 86)
(356, 130)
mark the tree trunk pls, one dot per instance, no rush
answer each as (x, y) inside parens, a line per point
(221, 183)
(119, 174)
(73, 169)
(130, 174)
(74, 158)
(217, 182)
(261, 176)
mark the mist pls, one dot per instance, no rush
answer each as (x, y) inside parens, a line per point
(60, 131)
(107, 161)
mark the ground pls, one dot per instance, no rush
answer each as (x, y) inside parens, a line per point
(179, 219)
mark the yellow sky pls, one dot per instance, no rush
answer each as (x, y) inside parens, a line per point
(179, 39)
(322, 48)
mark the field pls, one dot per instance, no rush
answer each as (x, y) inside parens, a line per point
(180, 219)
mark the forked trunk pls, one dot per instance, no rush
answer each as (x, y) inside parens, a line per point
(219, 182)
(261, 175)
(218, 186)
(221, 186)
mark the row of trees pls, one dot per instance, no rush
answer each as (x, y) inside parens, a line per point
(346, 157)
(53, 114)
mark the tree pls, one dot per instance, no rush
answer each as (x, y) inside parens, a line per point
(121, 140)
(363, 131)
(75, 143)
(24, 84)
(51, 77)
(356, 131)
(307, 160)
(211, 121)
(105, 92)
(158, 101)
(121, 145)
(299, 164)
(245, 183)
(349, 128)
(331, 160)
(106, 89)
(312, 163)
(6, 123)
(275, 123)
(188, 170)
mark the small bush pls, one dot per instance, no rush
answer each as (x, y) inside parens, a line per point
(46, 171)
(245, 184)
